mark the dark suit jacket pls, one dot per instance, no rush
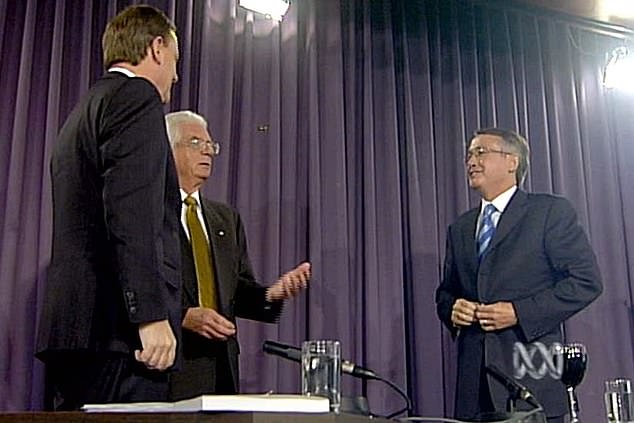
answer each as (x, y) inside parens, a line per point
(541, 261)
(239, 295)
(115, 260)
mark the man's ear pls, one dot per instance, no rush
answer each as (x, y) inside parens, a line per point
(156, 49)
(515, 163)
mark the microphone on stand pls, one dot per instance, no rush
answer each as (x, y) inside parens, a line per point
(515, 389)
(292, 353)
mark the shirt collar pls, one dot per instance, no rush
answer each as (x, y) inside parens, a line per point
(195, 195)
(126, 72)
(501, 201)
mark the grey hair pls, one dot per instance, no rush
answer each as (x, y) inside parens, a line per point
(174, 121)
(514, 142)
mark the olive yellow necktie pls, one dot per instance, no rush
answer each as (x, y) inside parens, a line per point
(202, 257)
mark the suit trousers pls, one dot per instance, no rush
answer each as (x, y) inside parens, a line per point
(75, 379)
(206, 370)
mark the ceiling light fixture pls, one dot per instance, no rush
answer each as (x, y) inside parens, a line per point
(272, 9)
(617, 8)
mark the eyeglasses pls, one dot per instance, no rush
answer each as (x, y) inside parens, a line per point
(478, 152)
(198, 144)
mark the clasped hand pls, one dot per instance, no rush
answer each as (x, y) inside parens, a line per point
(491, 317)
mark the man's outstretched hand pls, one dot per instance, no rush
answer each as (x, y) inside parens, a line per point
(290, 283)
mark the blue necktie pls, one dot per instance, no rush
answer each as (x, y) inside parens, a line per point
(487, 229)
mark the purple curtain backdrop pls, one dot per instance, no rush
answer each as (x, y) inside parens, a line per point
(343, 131)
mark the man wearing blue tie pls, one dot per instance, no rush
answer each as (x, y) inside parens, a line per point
(516, 268)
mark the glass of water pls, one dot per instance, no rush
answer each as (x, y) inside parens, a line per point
(618, 401)
(321, 371)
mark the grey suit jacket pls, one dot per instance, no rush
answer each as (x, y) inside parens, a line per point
(541, 261)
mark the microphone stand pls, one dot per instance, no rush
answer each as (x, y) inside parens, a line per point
(511, 400)
(515, 391)
(292, 353)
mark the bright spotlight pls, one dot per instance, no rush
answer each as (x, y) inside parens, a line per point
(273, 9)
(619, 69)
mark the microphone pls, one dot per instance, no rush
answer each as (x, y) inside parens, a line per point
(292, 353)
(285, 351)
(515, 389)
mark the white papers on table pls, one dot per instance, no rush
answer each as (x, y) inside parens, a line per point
(263, 402)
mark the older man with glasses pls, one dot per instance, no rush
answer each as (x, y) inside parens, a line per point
(218, 282)
(516, 267)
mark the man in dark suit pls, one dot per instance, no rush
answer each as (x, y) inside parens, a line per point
(210, 346)
(111, 316)
(516, 268)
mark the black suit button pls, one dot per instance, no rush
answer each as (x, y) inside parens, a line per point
(132, 310)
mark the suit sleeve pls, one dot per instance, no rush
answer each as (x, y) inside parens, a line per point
(576, 281)
(250, 296)
(446, 294)
(134, 154)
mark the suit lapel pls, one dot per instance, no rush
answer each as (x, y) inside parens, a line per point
(469, 241)
(190, 284)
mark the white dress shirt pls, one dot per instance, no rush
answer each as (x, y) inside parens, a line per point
(199, 212)
(500, 202)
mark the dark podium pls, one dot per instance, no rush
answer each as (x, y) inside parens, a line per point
(201, 417)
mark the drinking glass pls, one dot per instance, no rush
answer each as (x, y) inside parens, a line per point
(321, 371)
(619, 406)
(575, 363)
